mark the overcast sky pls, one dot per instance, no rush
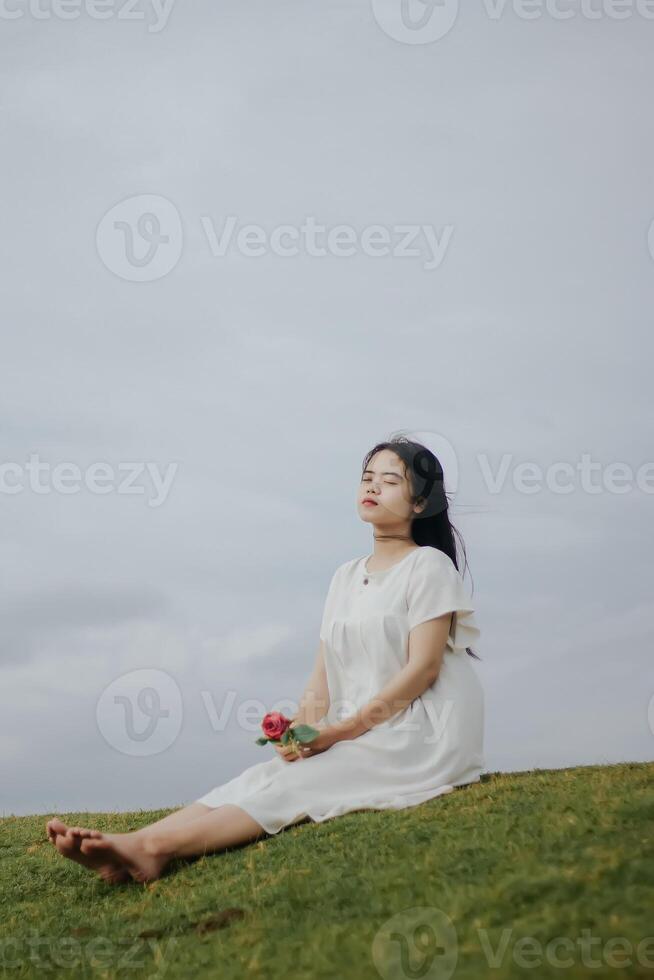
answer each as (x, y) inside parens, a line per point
(242, 243)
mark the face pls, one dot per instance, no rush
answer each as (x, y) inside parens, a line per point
(385, 482)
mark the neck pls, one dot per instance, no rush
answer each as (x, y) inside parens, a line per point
(390, 546)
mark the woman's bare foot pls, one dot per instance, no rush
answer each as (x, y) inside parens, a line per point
(69, 844)
(141, 854)
(55, 827)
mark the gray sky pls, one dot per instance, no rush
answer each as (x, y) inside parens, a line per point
(493, 188)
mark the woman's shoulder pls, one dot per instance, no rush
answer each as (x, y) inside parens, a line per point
(341, 571)
(428, 555)
(431, 554)
(433, 558)
(348, 566)
(428, 552)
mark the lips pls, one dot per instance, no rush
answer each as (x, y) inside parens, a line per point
(369, 503)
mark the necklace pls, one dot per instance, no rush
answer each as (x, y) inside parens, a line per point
(381, 537)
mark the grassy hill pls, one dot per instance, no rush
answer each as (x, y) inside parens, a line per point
(473, 884)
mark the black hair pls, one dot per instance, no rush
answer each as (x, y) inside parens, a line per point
(432, 526)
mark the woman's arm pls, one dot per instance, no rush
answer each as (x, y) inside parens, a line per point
(426, 650)
(314, 703)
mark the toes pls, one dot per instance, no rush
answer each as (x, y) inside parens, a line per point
(54, 827)
(81, 833)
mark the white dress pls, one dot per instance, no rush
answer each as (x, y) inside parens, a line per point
(423, 751)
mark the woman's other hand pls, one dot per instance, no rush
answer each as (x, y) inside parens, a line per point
(286, 753)
(323, 741)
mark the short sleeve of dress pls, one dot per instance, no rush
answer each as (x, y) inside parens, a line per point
(436, 587)
(328, 608)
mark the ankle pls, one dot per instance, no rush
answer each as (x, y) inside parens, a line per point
(157, 845)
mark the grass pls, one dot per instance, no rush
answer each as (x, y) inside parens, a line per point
(432, 891)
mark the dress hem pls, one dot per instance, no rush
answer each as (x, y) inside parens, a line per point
(374, 803)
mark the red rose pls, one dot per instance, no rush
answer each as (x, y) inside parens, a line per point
(275, 724)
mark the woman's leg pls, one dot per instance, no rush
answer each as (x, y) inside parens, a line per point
(220, 827)
(145, 855)
(177, 818)
(68, 841)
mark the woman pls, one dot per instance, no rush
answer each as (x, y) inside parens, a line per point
(398, 706)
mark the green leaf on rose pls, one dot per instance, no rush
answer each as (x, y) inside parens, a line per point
(305, 733)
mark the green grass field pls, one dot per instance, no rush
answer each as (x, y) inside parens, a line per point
(473, 884)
